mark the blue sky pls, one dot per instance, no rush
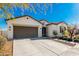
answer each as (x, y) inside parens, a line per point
(56, 12)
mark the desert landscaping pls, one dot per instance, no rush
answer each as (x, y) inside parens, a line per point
(5, 46)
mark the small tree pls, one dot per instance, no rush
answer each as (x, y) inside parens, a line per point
(55, 33)
(72, 33)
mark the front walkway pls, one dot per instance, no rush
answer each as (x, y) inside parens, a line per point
(41, 47)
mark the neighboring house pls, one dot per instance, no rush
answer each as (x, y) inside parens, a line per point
(3, 33)
(0, 32)
(76, 29)
(58, 27)
(26, 26)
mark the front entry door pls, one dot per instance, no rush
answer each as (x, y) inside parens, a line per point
(44, 31)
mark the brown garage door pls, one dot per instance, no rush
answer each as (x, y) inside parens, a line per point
(25, 32)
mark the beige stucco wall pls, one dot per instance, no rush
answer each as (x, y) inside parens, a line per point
(10, 31)
(51, 28)
(23, 21)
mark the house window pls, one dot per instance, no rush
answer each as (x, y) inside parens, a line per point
(62, 29)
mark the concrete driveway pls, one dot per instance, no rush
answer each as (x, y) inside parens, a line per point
(42, 47)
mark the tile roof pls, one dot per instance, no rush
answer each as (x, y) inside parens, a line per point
(57, 23)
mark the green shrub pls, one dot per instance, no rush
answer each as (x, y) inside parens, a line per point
(66, 33)
(76, 38)
(55, 33)
(2, 41)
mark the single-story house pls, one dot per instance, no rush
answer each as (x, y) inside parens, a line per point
(27, 26)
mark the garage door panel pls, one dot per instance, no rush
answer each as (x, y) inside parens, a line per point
(24, 32)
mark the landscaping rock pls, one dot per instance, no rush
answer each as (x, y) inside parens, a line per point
(76, 46)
